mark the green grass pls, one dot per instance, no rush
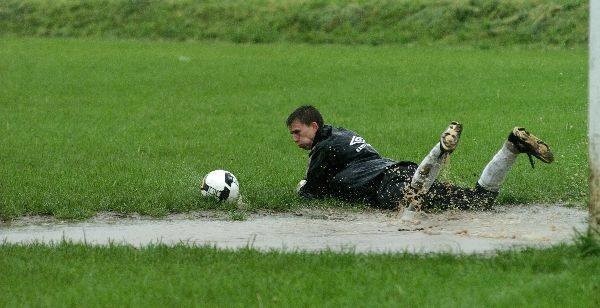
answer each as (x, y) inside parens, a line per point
(478, 22)
(129, 126)
(78, 275)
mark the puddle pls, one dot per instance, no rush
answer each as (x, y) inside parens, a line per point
(308, 229)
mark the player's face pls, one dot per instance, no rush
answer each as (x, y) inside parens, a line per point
(303, 134)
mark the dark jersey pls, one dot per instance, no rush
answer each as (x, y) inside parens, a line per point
(343, 165)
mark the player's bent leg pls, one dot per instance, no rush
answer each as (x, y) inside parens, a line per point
(431, 165)
(525, 142)
(495, 171)
(519, 141)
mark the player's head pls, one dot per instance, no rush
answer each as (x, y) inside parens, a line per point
(303, 124)
(306, 115)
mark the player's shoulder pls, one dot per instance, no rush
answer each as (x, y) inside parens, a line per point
(347, 136)
(341, 132)
(345, 139)
(331, 137)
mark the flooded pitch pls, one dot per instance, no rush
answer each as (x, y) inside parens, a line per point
(311, 229)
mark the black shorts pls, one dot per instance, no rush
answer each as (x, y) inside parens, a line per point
(396, 180)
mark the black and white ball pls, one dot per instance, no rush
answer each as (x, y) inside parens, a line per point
(222, 185)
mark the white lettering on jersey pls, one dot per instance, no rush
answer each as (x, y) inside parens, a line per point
(356, 140)
(359, 140)
(362, 146)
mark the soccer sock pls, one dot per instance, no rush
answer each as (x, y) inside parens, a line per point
(428, 170)
(495, 172)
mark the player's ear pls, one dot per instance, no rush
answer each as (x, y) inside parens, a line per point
(314, 125)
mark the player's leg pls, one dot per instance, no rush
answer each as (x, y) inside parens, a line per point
(428, 170)
(444, 196)
(519, 141)
(430, 167)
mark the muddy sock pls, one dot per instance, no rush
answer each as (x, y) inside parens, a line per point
(495, 172)
(428, 169)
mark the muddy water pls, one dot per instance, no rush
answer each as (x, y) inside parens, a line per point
(314, 230)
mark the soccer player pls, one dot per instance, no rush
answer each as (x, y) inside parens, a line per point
(343, 165)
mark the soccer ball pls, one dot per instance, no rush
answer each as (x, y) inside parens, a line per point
(221, 185)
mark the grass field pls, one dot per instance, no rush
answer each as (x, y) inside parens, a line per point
(373, 22)
(79, 275)
(132, 126)
(101, 123)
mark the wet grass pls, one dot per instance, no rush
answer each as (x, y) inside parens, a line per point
(132, 126)
(68, 274)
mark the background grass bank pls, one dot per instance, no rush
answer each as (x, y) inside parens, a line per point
(480, 22)
(130, 126)
(79, 275)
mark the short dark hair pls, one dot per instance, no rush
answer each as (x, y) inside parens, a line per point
(305, 114)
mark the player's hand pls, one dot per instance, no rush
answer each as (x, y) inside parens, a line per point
(300, 185)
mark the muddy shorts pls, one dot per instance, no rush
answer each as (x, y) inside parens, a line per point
(396, 182)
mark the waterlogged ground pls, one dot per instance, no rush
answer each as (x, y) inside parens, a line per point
(510, 226)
